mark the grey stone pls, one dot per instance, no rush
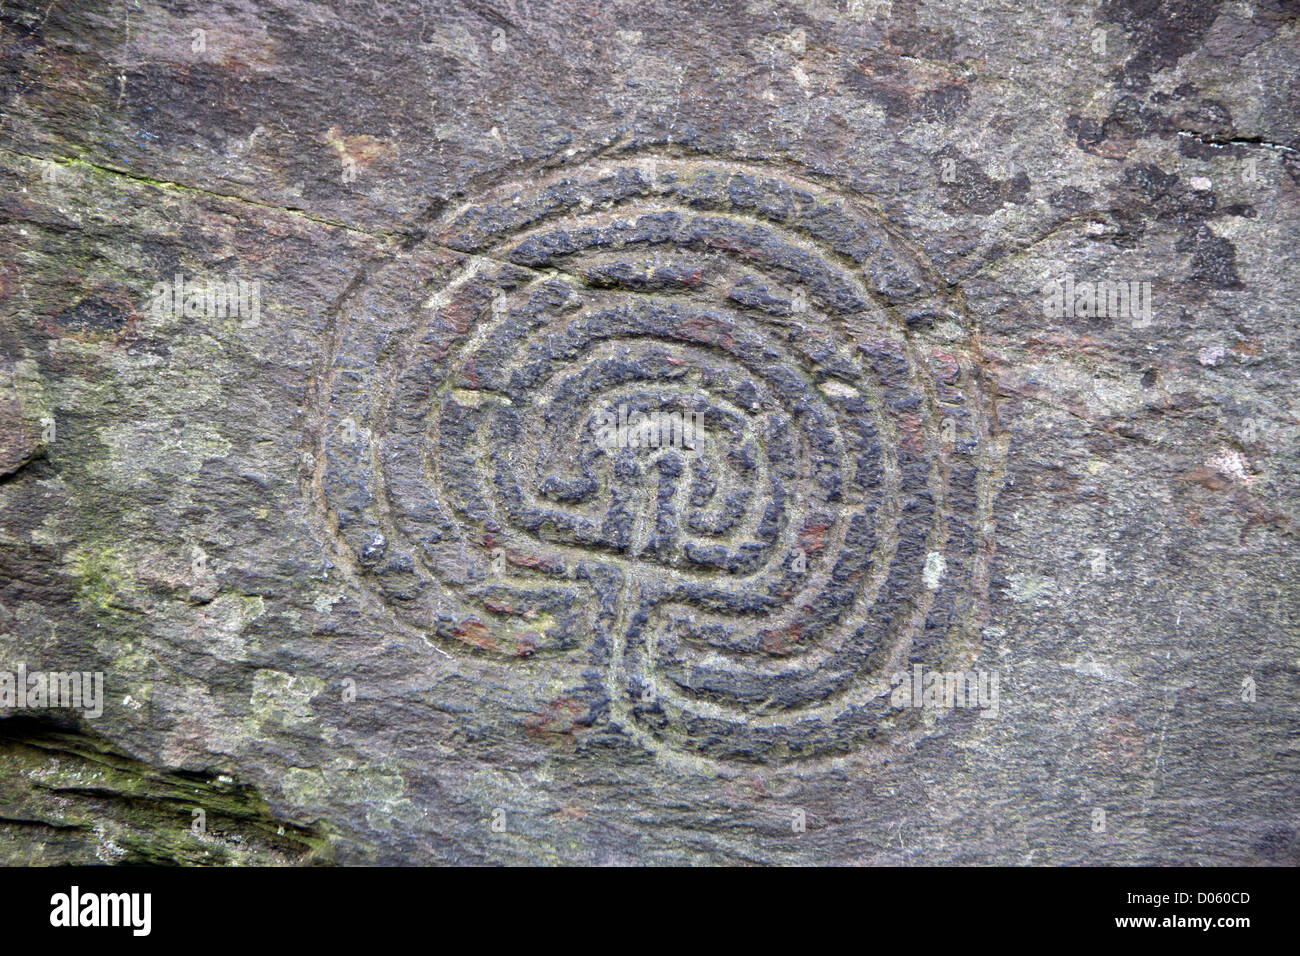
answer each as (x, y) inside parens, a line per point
(382, 538)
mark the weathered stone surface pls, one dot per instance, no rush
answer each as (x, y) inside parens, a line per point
(366, 583)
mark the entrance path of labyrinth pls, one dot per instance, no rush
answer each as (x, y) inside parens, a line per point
(749, 600)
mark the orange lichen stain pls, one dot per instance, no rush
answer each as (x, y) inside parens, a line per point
(459, 315)
(781, 641)
(727, 244)
(519, 559)
(1209, 478)
(557, 722)
(1226, 476)
(913, 438)
(361, 149)
(708, 331)
(812, 537)
(1122, 740)
(945, 365)
(527, 643)
(475, 633)
(522, 560)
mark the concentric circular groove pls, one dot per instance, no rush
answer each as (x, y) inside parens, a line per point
(747, 599)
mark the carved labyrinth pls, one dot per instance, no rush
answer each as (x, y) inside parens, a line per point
(745, 600)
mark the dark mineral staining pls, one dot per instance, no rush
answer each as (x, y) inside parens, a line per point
(1234, 37)
(944, 103)
(1214, 259)
(904, 96)
(927, 44)
(1165, 196)
(94, 315)
(1210, 119)
(1243, 210)
(1112, 137)
(1161, 33)
(1071, 198)
(970, 189)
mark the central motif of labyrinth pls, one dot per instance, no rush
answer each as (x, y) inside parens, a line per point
(745, 599)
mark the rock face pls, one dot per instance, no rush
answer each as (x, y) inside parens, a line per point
(840, 432)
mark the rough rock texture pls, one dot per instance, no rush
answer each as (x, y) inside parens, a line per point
(362, 581)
